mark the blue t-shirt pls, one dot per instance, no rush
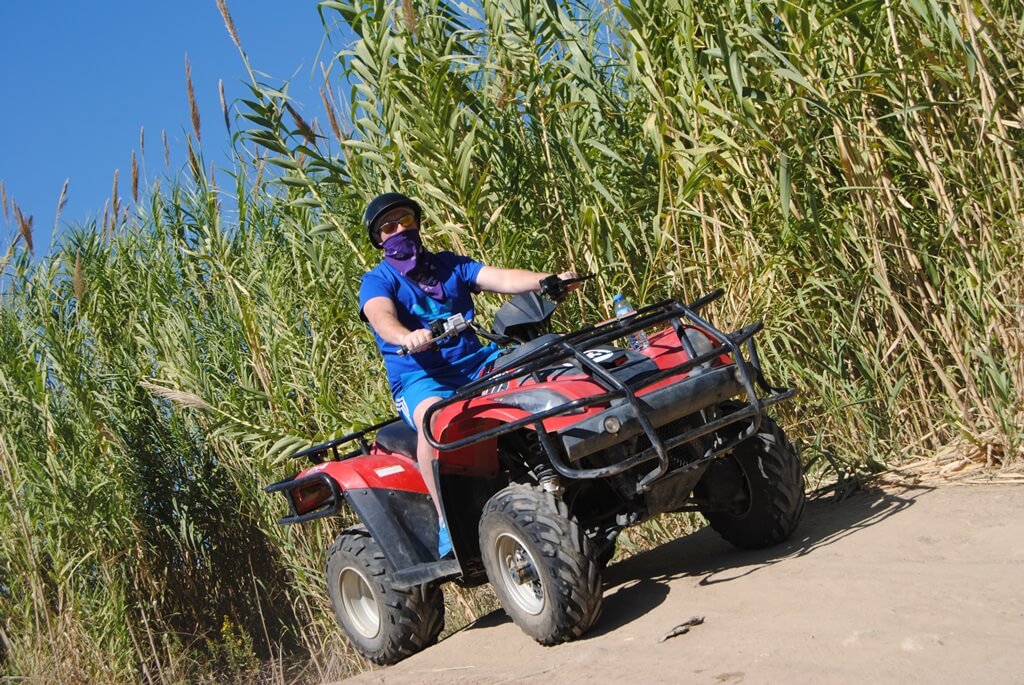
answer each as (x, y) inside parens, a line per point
(416, 309)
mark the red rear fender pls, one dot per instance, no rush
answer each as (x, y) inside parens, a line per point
(375, 471)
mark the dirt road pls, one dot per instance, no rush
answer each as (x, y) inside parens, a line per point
(908, 586)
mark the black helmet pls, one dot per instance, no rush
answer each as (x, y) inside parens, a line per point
(382, 204)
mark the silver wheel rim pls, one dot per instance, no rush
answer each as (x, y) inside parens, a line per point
(359, 602)
(519, 574)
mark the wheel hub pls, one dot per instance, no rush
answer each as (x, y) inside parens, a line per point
(522, 569)
(519, 574)
(359, 603)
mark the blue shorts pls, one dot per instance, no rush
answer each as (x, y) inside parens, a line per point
(443, 382)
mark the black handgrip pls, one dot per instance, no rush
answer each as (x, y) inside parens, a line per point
(436, 328)
(554, 288)
(404, 351)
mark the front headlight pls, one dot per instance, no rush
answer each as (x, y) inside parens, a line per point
(534, 401)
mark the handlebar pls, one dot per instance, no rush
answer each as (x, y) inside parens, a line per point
(555, 289)
(441, 330)
(552, 287)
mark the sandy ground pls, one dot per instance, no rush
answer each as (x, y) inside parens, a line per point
(922, 585)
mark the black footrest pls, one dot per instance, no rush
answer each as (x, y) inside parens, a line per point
(426, 573)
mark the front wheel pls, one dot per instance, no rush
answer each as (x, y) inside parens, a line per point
(385, 624)
(756, 493)
(541, 564)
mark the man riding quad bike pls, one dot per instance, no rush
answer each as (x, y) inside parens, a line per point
(410, 292)
(541, 462)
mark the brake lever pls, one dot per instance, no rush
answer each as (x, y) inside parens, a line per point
(578, 279)
(493, 337)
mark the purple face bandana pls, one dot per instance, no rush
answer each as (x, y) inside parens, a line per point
(406, 253)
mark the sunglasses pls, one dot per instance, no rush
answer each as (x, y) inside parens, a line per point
(406, 220)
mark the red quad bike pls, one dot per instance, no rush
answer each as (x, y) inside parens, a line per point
(542, 462)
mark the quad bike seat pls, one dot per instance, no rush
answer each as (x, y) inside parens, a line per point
(398, 437)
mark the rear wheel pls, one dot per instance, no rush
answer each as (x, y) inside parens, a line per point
(540, 563)
(385, 624)
(757, 492)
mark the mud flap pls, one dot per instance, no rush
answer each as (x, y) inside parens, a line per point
(404, 524)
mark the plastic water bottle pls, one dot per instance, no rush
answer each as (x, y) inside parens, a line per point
(638, 340)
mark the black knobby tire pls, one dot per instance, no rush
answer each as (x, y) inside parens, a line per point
(385, 624)
(540, 563)
(769, 502)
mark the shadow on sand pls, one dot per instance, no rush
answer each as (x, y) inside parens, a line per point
(640, 583)
(636, 585)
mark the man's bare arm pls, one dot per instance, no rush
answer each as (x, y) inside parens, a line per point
(380, 312)
(513, 281)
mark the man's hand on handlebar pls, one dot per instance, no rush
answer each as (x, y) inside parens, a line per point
(414, 339)
(556, 287)
(440, 330)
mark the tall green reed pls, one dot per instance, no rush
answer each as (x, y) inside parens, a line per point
(850, 173)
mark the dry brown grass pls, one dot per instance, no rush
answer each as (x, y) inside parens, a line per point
(24, 226)
(61, 201)
(229, 24)
(224, 105)
(135, 178)
(192, 106)
(332, 116)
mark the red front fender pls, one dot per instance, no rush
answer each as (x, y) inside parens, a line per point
(463, 420)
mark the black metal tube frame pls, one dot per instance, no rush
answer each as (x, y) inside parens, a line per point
(315, 454)
(573, 346)
(326, 508)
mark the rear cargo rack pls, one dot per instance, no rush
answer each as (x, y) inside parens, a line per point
(316, 453)
(746, 374)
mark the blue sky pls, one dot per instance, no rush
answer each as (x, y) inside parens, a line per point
(79, 79)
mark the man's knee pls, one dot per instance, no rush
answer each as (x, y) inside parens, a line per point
(421, 410)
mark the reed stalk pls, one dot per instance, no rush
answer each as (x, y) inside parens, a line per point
(849, 173)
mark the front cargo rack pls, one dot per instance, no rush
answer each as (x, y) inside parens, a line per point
(745, 374)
